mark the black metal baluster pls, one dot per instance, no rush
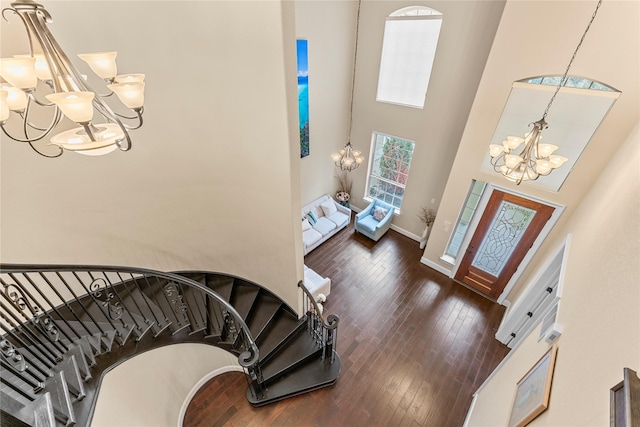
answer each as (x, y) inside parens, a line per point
(19, 375)
(167, 297)
(91, 292)
(133, 300)
(195, 293)
(118, 306)
(64, 302)
(152, 295)
(176, 303)
(38, 307)
(16, 389)
(49, 363)
(75, 297)
(144, 298)
(50, 305)
(56, 344)
(124, 306)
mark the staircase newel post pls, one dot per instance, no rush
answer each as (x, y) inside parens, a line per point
(332, 336)
(249, 360)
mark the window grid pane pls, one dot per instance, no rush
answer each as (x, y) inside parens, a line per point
(389, 169)
(462, 225)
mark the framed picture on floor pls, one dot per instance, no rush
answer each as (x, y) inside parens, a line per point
(533, 390)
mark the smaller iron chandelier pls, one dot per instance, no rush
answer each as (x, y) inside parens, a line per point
(66, 93)
(347, 159)
(535, 159)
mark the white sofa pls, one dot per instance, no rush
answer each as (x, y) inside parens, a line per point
(321, 219)
(316, 284)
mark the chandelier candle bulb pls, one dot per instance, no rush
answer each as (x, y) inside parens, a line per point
(131, 94)
(513, 142)
(41, 66)
(557, 161)
(16, 98)
(101, 63)
(495, 150)
(4, 106)
(511, 161)
(545, 150)
(543, 167)
(77, 106)
(19, 72)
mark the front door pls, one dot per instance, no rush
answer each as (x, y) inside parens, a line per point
(507, 229)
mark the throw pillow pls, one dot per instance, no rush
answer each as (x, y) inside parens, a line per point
(312, 217)
(379, 213)
(328, 207)
(305, 224)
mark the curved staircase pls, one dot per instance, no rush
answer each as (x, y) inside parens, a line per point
(63, 327)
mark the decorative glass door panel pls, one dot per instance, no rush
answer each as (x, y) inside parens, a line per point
(504, 234)
(506, 231)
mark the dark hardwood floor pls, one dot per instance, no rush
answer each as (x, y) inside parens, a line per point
(414, 346)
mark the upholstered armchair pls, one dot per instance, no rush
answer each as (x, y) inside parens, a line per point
(374, 220)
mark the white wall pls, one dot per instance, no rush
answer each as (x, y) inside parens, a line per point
(598, 309)
(158, 385)
(212, 181)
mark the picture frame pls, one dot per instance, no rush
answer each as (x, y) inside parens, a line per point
(302, 51)
(533, 390)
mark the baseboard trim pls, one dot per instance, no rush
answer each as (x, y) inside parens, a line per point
(435, 266)
(405, 233)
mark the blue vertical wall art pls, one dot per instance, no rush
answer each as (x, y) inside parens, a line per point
(303, 96)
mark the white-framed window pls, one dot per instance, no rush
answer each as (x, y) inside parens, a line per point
(464, 218)
(388, 168)
(408, 51)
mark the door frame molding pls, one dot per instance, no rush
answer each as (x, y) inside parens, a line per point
(557, 212)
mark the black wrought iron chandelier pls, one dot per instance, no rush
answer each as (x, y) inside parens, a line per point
(535, 159)
(348, 158)
(46, 83)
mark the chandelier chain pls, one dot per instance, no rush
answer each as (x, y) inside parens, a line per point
(566, 72)
(353, 77)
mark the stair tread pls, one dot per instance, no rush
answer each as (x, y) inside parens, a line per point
(281, 327)
(260, 319)
(308, 377)
(299, 349)
(220, 284)
(243, 297)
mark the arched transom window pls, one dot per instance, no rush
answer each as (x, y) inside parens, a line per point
(408, 51)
